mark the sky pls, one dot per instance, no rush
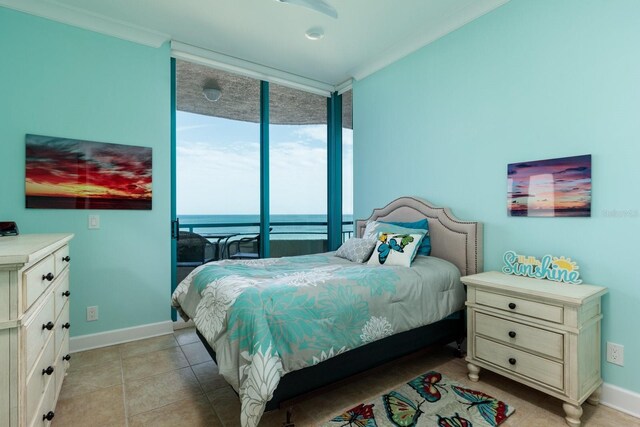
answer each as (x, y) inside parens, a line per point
(218, 166)
(562, 185)
(58, 167)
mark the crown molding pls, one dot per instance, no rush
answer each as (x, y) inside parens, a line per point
(54, 11)
(343, 87)
(404, 48)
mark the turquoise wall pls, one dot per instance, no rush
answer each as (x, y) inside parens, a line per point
(530, 80)
(59, 80)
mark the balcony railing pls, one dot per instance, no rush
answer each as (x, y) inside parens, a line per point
(287, 237)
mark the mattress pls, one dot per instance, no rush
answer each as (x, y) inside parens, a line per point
(267, 317)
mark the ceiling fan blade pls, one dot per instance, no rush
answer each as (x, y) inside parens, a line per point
(318, 5)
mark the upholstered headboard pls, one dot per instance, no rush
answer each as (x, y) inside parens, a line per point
(459, 242)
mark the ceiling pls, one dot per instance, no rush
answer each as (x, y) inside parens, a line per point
(366, 36)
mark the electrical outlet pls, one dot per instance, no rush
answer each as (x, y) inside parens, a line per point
(92, 313)
(615, 353)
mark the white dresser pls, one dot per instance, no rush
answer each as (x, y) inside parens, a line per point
(540, 333)
(34, 326)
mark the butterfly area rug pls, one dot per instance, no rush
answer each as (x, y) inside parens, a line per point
(428, 400)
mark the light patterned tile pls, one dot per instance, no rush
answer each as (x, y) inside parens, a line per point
(227, 406)
(208, 376)
(186, 336)
(148, 345)
(196, 353)
(159, 390)
(154, 363)
(196, 412)
(91, 378)
(103, 407)
(95, 357)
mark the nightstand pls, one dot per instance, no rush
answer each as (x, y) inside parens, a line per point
(540, 333)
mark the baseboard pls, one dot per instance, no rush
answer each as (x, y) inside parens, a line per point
(119, 336)
(621, 399)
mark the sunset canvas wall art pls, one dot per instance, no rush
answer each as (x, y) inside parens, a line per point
(550, 188)
(66, 173)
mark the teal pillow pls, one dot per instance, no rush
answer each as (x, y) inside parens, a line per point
(423, 224)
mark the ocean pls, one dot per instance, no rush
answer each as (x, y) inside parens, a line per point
(248, 224)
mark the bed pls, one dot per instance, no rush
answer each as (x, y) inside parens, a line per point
(278, 328)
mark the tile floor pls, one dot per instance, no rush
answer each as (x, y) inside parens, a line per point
(172, 381)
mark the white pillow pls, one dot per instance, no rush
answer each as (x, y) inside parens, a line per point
(395, 249)
(356, 250)
(374, 228)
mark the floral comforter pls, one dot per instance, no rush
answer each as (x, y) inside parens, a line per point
(267, 317)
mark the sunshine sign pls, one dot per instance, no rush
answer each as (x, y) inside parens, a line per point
(558, 269)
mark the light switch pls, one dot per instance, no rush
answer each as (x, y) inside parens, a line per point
(94, 222)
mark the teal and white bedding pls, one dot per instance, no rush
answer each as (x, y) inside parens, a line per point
(267, 317)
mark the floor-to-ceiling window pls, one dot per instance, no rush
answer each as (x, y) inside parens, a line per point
(219, 166)
(217, 163)
(298, 171)
(347, 163)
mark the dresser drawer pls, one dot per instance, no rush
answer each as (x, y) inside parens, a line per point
(36, 280)
(38, 331)
(60, 292)
(61, 331)
(47, 404)
(514, 333)
(61, 258)
(61, 362)
(38, 381)
(552, 313)
(537, 368)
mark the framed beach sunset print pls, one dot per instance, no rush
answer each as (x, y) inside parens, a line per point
(64, 173)
(550, 188)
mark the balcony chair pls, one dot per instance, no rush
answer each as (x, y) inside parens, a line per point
(195, 250)
(235, 248)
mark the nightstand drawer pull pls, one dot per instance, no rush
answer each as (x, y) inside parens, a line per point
(66, 294)
(512, 334)
(66, 258)
(66, 325)
(512, 305)
(48, 416)
(48, 371)
(66, 358)
(512, 361)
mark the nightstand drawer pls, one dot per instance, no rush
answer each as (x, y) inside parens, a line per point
(552, 313)
(514, 333)
(537, 368)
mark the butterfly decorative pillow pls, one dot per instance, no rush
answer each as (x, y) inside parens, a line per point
(395, 249)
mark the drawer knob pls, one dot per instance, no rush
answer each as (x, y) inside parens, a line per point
(66, 325)
(48, 371)
(66, 258)
(66, 294)
(512, 361)
(512, 305)
(66, 358)
(512, 334)
(48, 326)
(48, 416)
(49, 277)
